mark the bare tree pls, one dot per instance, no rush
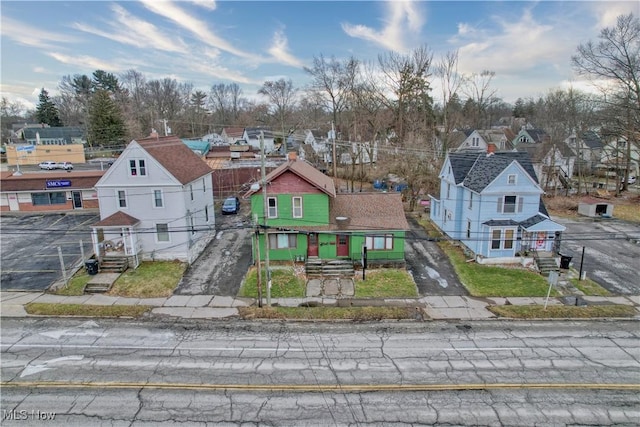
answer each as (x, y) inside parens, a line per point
(478, 88)
(282, 97)
(451, 81)
(615, 59)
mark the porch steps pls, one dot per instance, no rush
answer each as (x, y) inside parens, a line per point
(546, 265)
(114, 264)
(316, 267)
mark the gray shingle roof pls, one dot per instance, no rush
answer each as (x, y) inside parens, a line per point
(591, 140)
(532, 221)
(479, 170)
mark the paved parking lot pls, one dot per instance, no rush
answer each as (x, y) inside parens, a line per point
(29, 247)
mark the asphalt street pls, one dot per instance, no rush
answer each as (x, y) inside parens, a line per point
(485, 373)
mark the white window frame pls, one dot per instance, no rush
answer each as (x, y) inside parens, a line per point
(468, 228)
(192, 226)
(270, 208)
(206, 213)
(283, 241)
(191, 191)
(159, 233)
(296, 210)
(204, 185)
(512, 179)
(137, 167)
(470, 199)
(119, 200)
(155, 199)
(381, 242)
(504, 242)
(504, 205)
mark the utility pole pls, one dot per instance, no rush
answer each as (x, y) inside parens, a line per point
(333, 137)
(266, 227)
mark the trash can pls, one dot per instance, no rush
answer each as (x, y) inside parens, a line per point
(91, 266)
(564, 261)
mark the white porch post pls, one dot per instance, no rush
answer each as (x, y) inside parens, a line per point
(95, 243)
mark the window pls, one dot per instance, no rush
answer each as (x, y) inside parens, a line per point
(191, 191)
(508, 239)
(204, 185)
(448, 191)
(509, 204)
(158, 202)
(40, 199)
(511, 180)
(283, 241)
(468, 229)
(137, 167)
(206, 213)
(470, 200)
(475, 141)
(297, 207)
(272, 206)
(379, 243)
(496, 236)
(162, 232)
(122, 199)
(192, 227)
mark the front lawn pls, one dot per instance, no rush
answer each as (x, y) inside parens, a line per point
(330, 313)
(152, 279)
(490, 281)
(47, 309)
(284, 284)
(385, 283)
(563, 311)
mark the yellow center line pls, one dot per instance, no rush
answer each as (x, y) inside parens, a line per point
(351, 388)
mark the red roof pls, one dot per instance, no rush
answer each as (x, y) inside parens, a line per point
(117, 219)
(176, 157)
(37, 181)
(305, 171)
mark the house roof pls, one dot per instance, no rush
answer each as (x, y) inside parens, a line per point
(175, 157)
(537, 135)
(254, 133)
(537, 152)
(198, 146)
(117, 219)
(591, 140)
(38, 181)
(234, 132)
(305, 171)
(65, 132)
(368, 211)
(536, 219)
(480, 170)
(501, 223)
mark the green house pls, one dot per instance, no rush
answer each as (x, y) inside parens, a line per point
(307, 219)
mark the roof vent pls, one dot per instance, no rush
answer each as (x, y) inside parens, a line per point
(343, 222)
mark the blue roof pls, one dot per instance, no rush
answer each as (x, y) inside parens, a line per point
(198, 145)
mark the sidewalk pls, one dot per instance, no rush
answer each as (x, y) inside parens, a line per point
(218, 307)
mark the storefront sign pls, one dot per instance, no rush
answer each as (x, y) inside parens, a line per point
(57, 183)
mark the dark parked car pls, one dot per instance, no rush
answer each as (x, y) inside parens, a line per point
(231, 205)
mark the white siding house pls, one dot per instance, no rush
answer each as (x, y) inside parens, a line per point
(156, 203)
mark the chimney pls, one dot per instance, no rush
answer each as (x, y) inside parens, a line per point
(491, 148)
(153, 134)
(292, 156)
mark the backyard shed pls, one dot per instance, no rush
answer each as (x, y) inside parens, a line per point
(595, 208)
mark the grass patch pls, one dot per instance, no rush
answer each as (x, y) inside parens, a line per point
(491, 281)
(76, 284)
(152, 279)
(385, 283)
(328, 313)
(284, 284)
(563, 311)
(589, 287)
(46, 309)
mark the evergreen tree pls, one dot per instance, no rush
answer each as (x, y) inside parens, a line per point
(106, 124)
(46, 111)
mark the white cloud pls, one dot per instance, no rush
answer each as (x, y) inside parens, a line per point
(220, 72)
(280, 50)
(206, 4)
(513, 46)
(128, 29)
(39, 70)
(32, 36)
(85, 61)
(197, 27)
(402, 14)
(606, 13)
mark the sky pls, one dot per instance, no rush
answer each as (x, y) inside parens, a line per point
(205, 42)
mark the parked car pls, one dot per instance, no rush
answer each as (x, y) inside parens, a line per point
(48, 165)
(231, 205)
(65, 165)
(630, 180)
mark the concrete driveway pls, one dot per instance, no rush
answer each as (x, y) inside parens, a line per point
(29, 247)
(220, 268)
(612, 251)
(430, 267)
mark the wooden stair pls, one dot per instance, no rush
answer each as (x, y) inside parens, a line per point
(114, 264)
(316, 267)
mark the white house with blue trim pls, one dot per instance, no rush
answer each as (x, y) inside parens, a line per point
(491, 203)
